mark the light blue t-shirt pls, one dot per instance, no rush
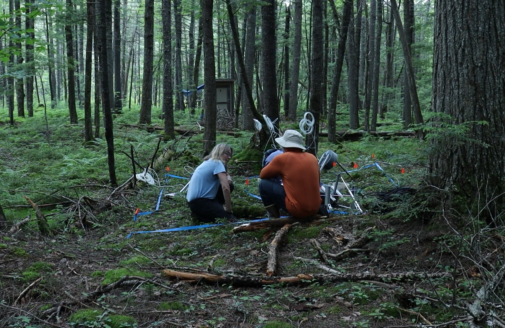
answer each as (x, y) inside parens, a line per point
(205, 183)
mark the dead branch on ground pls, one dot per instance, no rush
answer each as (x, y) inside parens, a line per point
(253, 226)
(23, 293)
(16, 226)
(273, 249)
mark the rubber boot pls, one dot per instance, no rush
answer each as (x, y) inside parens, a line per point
(273, 212)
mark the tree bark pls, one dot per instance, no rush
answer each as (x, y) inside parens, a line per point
(105, 10)
(353, 74)
(70, 62)
(316, 75)
(376, 66)
(50, 57)
(209, 135)
(118, 97)
(30, 69)
(250, 48)
(468, 88)
(179, 98)
(295, 67)
(147, 79)
(335, 84)
(196, 68)
(408, 18)
(88, 126)
(268, 61)
(168, 89)
(285, 91)
(408, 63)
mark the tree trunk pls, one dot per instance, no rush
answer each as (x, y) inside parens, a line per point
(168, 90)
(30, 68)
(285, 92)
(118, 97)
(50, 57)
(469, 88)
(316, 75)
(408, 63)
(250, 49)
(268, 61)
(376, 66)
(88, 126)
(179, 98)
(370, 68)
(335, 84)
(408, 19)
(389, 74)
(10, 68)
(191, 59)
(97, 70)
(20, 90)
(209, 135)
(147, 79)
(353, 80)
(196, 68)
(70, 62)
(295, 67)
(105, 10)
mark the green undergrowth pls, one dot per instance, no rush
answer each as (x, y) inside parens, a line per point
(100, 318)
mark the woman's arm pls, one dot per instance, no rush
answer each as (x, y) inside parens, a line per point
(226, 191)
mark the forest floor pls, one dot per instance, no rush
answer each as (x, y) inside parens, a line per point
(101, 268)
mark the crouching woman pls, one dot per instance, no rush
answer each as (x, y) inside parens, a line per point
(210, 187)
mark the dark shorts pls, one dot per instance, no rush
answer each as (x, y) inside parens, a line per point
(208, 210)
(272, 193)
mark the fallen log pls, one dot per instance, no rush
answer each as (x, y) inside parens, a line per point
(273, 249)
(357, 135)
(250, 281)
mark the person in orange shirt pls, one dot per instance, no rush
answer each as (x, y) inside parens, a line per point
(299, 192)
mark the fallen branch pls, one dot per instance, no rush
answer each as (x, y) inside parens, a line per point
(346, 252)
(415, 313)
(236, 280)
(30, 314)
(273, 249)
(319, 250)
(23, 293)
(253, 226)
(15, 227)
(41, 219)
(362, 240)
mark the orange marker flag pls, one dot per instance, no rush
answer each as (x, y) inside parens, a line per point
(355, 165)
(334, 164)
(373, 155)
(167, 168)
(247, 181)
(137, 211)
(403, 170)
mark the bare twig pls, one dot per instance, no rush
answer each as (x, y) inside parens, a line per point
(23, 293)
(30, 314)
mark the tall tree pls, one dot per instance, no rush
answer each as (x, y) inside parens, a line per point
(353, 72)
(106, 10)
(196, 68)
(10, 68)
(118, 97)
(30, 64)
(408, 65)
(376, 66)
(20, 90)
(147, 79)
(468, 88)
(268, 61)
(409, 20)
(50, 58)
(209, 135)
(179, 97)
(295, 66)
(168, 89)
(371, 63)
(335, 84)
(88, 126)
(316, 75)
(250, 48)
(285, 92)
(70, 64)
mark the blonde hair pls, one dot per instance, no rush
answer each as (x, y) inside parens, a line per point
(217, 152)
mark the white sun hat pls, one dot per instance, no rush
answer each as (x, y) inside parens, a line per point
(291, 139)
